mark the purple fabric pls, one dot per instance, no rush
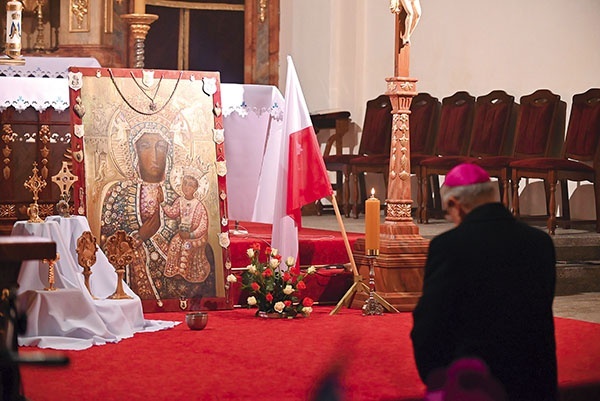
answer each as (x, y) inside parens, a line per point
(466, 174)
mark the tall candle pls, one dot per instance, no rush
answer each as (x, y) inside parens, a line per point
(139, 6)
(14, 10)
(372, 222)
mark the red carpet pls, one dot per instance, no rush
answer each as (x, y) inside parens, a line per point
(241, 357)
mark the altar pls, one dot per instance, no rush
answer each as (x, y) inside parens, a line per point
(70, 317)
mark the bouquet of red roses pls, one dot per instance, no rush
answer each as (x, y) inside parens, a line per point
(273, 288)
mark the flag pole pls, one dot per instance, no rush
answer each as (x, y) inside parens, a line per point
(358, 283)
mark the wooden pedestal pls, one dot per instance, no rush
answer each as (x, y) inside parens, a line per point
(399, 268)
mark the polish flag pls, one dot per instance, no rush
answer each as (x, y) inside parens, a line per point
(302, 174)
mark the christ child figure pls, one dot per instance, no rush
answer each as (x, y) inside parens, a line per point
(186, 255)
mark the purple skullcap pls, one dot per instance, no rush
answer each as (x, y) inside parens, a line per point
(466, 174)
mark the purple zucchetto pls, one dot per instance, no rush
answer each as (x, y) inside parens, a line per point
(466, 174)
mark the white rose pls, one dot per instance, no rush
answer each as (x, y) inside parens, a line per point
(250, 252)
(251, 301)
(288, 289)
(273, 263)
(274, 251)
(279, 306)
(307, 310)
(251, 269)
(311, 270)
(290, 261)
(232, 278)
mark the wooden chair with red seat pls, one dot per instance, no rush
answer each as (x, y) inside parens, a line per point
(454, 132)
(374, 142)
(423, 122)
(580, 160)
(538, 133)
(491, 134)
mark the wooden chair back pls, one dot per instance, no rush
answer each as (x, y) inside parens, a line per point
(540, 125)
(456, 120)
(377, 128)
(493, 124)
(424, 122)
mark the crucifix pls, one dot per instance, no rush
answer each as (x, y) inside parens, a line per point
(399, 267)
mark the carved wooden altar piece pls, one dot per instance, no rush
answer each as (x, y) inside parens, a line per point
(399, 268)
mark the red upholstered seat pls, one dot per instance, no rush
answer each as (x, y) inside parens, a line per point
(580, 159)
(538, 133)
(454, 133)
(375, 140)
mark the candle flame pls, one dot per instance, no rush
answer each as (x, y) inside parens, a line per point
(372, 191)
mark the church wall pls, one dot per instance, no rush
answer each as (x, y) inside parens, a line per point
(343, 51)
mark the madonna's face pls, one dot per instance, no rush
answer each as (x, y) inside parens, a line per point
(152, 152)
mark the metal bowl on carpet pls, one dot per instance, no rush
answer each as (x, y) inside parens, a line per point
(196, 320)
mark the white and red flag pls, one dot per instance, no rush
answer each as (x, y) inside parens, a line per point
(302, 174)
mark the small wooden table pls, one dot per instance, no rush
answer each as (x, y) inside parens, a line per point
(340, 120)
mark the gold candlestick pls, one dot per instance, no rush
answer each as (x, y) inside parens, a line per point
(39, 45)
(35, 184)
(372, 306)
(51, 263)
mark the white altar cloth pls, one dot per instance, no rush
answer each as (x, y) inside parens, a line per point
(253, 122)
(40, 83)
(70, 318)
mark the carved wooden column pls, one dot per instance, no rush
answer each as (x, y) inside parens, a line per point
(399, 268)
(139, 25)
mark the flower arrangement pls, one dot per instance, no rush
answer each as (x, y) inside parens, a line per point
(273, 289)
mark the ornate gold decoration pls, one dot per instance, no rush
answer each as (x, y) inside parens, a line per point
(8, 211)
(120, 252)
(79, 17)
(64, 179)
(45, 209)
(108, 15)
(44, 137)
(51, 263)
(399, 211)
(79, 108)
(8, 136)
(35, 184)
(86, 256)
(262, 10)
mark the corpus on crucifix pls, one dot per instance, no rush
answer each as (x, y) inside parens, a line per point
(412, 8)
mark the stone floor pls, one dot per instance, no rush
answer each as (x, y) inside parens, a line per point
(578, 251)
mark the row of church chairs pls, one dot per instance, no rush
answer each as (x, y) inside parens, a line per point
(511, 140)
(518, 140)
